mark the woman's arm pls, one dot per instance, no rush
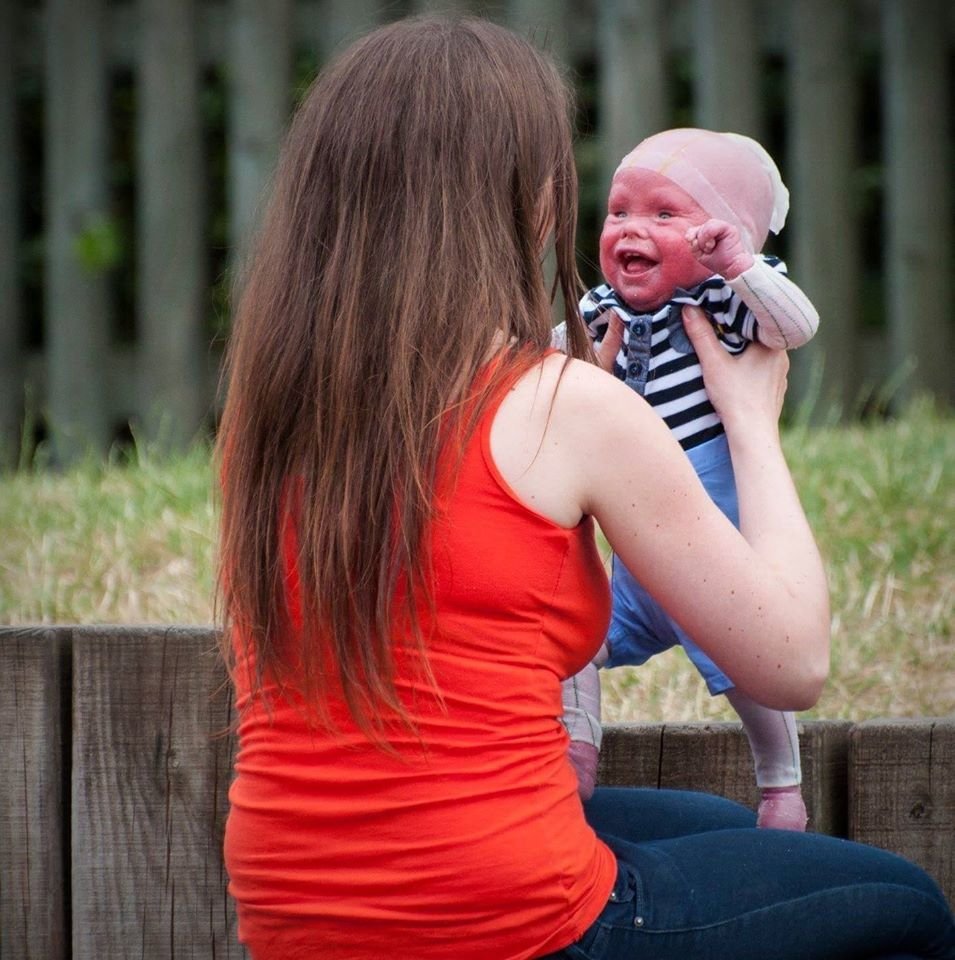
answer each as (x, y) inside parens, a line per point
(757, 603)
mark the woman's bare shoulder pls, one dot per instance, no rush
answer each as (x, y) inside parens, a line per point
(593, 403)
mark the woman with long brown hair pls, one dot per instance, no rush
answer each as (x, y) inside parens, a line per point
(408, 566)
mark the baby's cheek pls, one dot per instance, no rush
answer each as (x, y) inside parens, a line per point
(607, 259)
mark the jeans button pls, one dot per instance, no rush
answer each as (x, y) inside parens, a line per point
(613, 895)
(638, 921)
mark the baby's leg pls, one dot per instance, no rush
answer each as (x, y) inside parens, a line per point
(775, 745)
(638, 629)
(580, 698)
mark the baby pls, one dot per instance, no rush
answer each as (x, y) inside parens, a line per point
(688, 212)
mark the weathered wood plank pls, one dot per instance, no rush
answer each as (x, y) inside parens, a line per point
(715, 758)
(918, 159)
(824, 749)
(259, 71)
(712, 757)
(77, 321)
(824, 227)
(330, 25)
(171, 256)
(902, 791)
(631, 38)
(11, 355)
(727, 53)
(33, 878)
(545, 22)
(630, 755)
(150, 778)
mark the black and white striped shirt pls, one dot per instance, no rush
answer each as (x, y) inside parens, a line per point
(658, 360)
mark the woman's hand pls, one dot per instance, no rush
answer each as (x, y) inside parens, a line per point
(748, 389)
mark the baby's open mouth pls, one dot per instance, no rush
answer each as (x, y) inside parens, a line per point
(636, 263)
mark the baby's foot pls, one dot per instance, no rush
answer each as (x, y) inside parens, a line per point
(782, 808)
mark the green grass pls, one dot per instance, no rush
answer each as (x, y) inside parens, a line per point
(135, 544)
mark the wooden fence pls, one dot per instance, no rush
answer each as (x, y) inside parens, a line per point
(742, 54)
(114, 768)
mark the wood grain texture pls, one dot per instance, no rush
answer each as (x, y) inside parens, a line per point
(150, 779)
(172, 288)
(902, 791)
(630, 755)
(824, 748)
(150, 765)
(715, 758)
(32, 873)
(76, 202)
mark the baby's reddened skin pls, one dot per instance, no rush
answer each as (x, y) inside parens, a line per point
(687, 213)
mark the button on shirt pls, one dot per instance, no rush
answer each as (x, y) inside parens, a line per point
(657, 359)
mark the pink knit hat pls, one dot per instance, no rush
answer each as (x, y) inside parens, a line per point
(730, 176)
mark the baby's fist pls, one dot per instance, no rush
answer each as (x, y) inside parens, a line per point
(717, 245)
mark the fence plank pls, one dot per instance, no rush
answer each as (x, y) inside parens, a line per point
(171, 298)
(259, 71)
(330, 25)
(631, 40)
(76, 210)
(33, 881)
(80, 40)
(546, 22)
(824, 750)
(439, 6)
(11, 359)
(918, 159)
(902, 791)
(715, 758)
(726, 54)
(630, 755)
(150, 782)
(823, 156)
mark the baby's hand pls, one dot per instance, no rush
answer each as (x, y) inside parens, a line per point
(717, 245)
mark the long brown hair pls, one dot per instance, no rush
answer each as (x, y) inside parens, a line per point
(401, 243)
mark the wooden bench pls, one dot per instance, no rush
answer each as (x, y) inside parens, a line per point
(115, 762)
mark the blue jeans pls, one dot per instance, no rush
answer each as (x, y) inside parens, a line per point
(696, 882)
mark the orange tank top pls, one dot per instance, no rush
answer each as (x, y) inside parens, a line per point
(471, 843)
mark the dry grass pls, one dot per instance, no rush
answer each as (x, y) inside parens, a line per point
(135, 544)
(881, 499)
(109, 545)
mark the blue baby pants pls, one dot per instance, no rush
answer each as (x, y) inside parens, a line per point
(639, 628)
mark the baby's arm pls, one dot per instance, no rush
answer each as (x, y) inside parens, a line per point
(580, 695)
(785, 316)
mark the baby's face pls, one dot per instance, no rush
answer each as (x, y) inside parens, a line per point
(644, 253)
